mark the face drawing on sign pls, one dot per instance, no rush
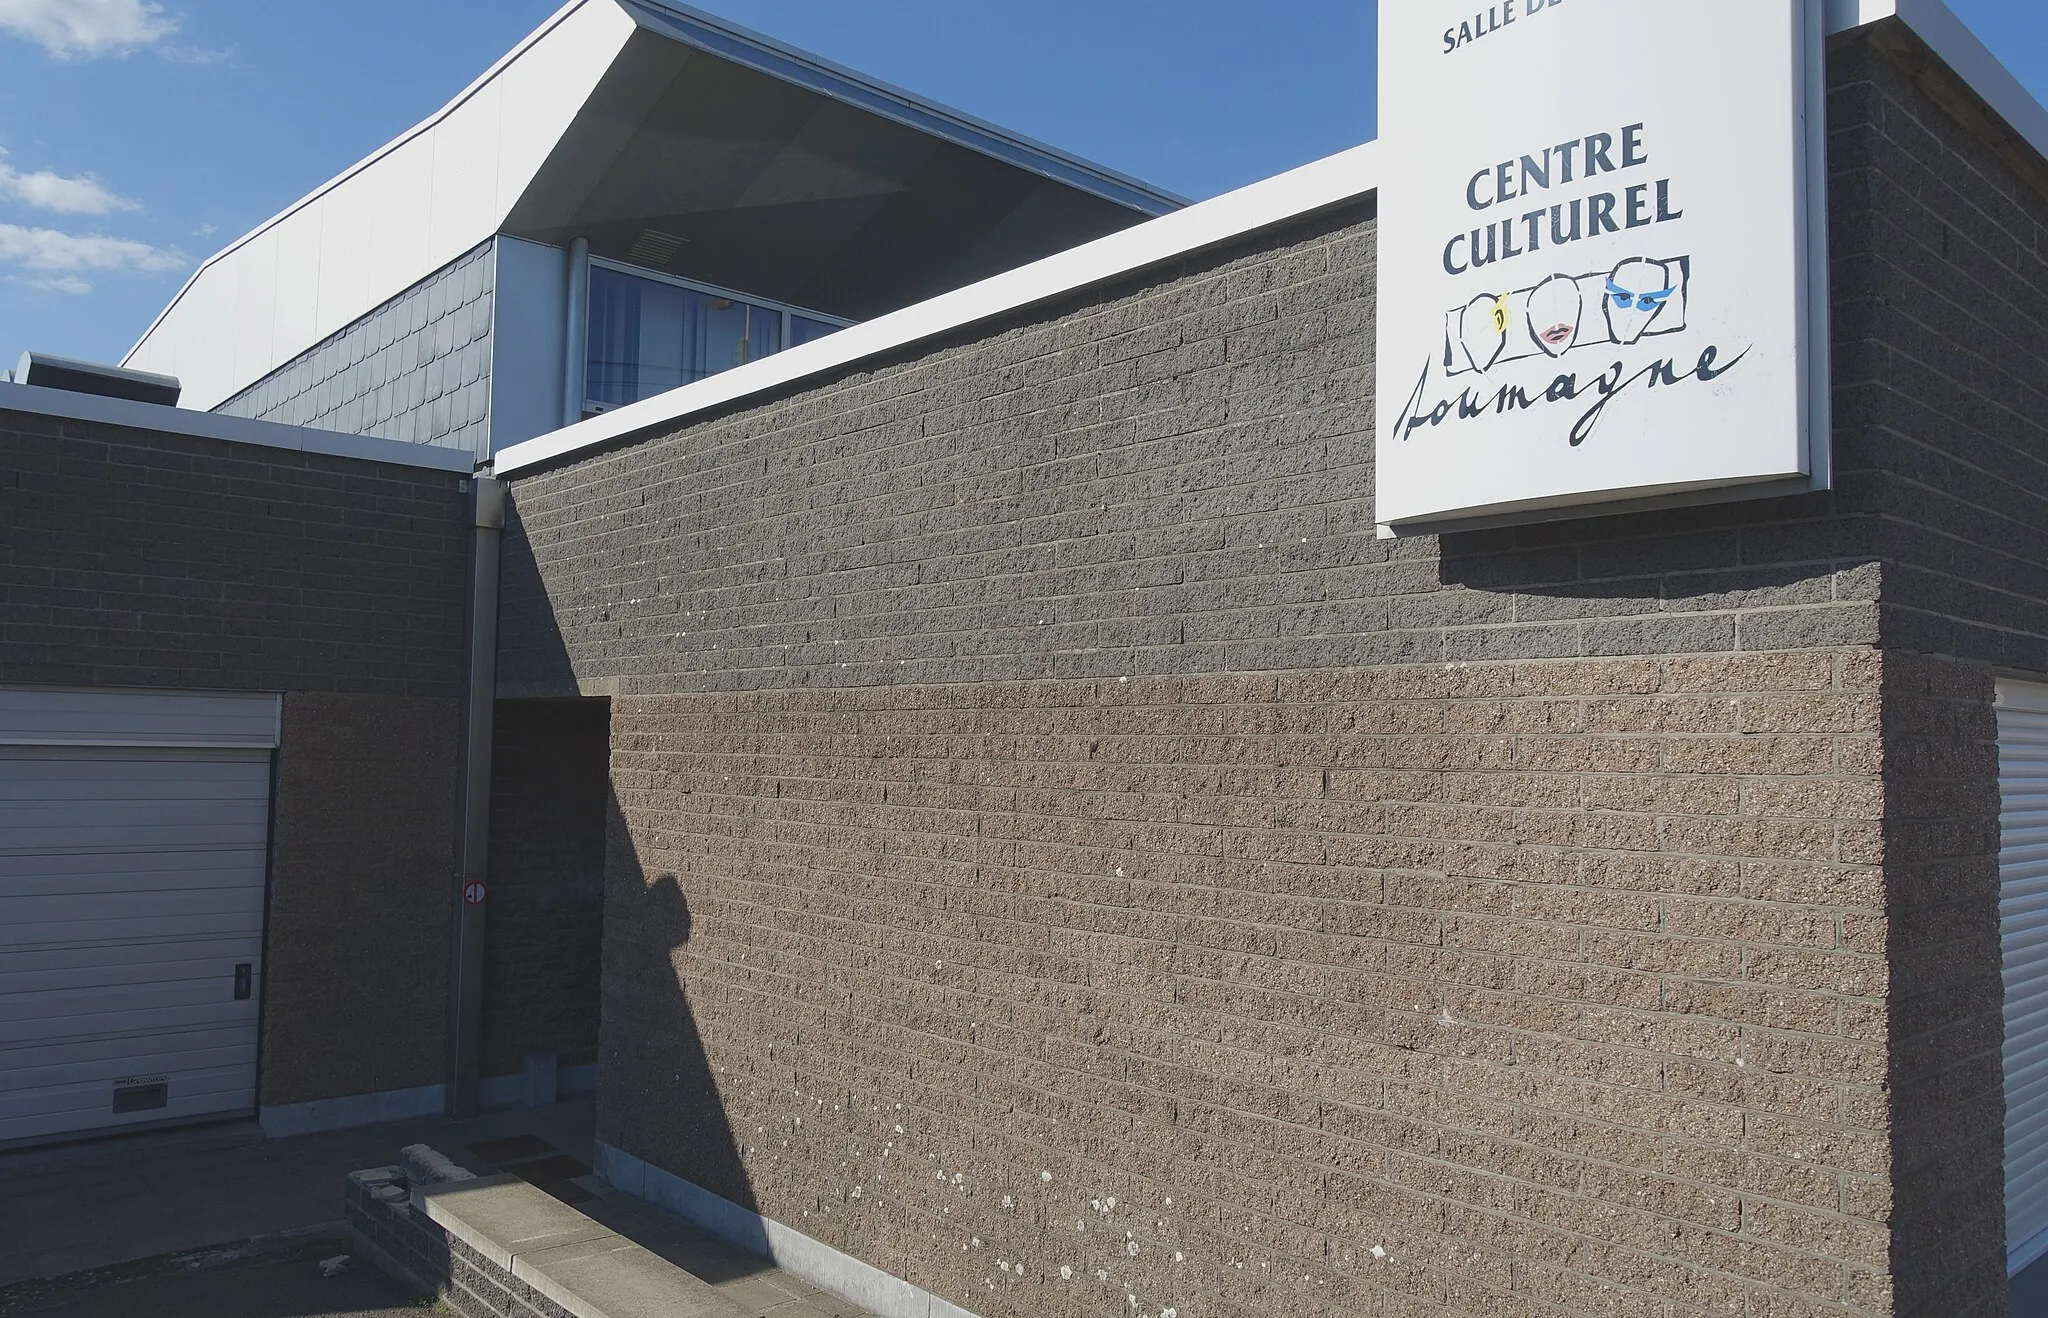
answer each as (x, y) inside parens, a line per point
(1484, 329)
(1637, 292)
(1555, 306)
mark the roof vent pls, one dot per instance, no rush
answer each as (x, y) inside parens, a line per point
(47, 372)
(655, 249)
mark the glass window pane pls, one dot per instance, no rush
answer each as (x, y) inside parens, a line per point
(736, 333)
(802, 329)
(647, 337)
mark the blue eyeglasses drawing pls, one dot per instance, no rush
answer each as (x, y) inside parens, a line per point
(1623, 299)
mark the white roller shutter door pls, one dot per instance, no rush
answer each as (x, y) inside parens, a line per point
(134, 839)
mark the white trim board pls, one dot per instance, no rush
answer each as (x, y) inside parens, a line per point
(38, 401)
(1316, 186)
(1313, 187)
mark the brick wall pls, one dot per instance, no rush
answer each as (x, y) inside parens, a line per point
(137, 559)
(131, 558)
(361, 893)
(1939, 242)
(1169, 475)
(417, 369)
(1550, 981)
(1024, 741)
(545, 922)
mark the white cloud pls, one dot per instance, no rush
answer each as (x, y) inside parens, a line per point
(68, 284)
(83, 29)
(84, 195)
(51, 252)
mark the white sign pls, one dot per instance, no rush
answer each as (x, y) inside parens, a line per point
(1597, 223)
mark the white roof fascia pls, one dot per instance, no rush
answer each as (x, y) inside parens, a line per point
(232, 429)
(417, 130)
(715, 35)
(1313, 187)
(1959, 48)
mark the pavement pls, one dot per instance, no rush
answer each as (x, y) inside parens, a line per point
(113, 1201)
(293, 1285)
(223, 1222)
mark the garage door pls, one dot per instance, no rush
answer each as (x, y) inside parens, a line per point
(2023, 911)
(134, 833)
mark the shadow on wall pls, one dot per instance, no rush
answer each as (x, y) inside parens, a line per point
(533, 655)
(655, 1077)
(1782, 551)
(544, 924)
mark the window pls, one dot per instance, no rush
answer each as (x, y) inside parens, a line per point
(802, 329)
(648, 336)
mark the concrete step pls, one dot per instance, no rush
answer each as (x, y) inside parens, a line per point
(527, 1236)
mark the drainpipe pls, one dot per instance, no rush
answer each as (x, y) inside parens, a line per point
(472, 854)
(576, 350)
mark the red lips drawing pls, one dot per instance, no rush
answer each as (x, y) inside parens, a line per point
(1555, 309)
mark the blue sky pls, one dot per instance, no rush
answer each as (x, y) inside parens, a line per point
(141, 135)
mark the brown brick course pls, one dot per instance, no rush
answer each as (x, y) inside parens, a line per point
(1602, 1038)
(361, 895)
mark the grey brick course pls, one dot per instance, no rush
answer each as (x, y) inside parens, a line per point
(129, 558)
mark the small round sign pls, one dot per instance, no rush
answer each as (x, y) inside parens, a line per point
(473, 893)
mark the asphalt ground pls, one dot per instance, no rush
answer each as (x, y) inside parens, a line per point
(292, 1285)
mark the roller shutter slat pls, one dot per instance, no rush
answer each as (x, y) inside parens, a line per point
(132, 867)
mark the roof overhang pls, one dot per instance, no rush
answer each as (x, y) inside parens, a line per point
(781, 174)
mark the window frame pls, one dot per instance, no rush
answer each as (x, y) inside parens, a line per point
(593, 407)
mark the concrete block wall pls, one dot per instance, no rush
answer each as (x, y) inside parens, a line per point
(1417, 988)
(1212, 893)
(131, 558)
(1939, 260)
(1063, 858)
(356, 979)
(417, 369)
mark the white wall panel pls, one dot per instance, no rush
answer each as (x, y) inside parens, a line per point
(350, 217)
(404, 213)
(399, 194)
(546, 88)
(527, 341)
(465, 187)
(253, 335)
(295, 303)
